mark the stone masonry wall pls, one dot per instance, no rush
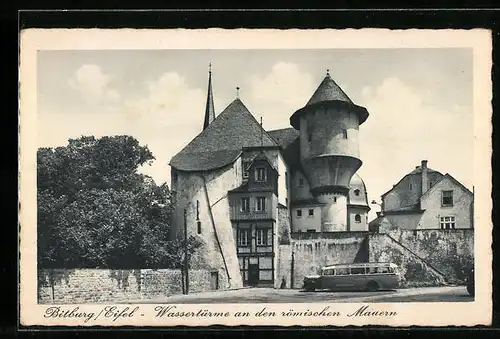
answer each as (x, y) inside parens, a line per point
(312, 251)
(73, 286)
(449, 251)
(415, 271)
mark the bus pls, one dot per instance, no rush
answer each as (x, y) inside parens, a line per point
(371, 277)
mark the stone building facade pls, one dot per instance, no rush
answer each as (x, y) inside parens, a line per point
(427, 199)
(244, 191)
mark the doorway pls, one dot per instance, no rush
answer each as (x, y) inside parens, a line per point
(214, 280)
(253, 274)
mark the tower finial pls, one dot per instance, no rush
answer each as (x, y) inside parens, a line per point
(237, 92)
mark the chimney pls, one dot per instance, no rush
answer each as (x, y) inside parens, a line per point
(425, 180)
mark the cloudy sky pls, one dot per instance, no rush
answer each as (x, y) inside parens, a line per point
(419, 100)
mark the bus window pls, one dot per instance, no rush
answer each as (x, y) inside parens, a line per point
(328, 272)
(373, 270)
(383, 269)
(357, 270)
(341, 271)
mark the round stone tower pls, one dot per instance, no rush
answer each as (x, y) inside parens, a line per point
(329, 150)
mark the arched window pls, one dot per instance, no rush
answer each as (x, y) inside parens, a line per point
(344, 133)
(356, 192)
(357, 218)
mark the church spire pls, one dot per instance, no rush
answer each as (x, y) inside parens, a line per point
(209, 109)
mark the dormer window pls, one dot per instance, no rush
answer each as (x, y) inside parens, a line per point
(260, 174)
(245, 165)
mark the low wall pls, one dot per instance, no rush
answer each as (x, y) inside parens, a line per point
(415, 271)
(312, 251)
(67, 286)
(449, 251)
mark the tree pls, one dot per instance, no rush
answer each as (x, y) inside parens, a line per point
(96, 210)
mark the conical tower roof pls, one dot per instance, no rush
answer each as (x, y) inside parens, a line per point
(329, 93)
(223, 140)
(209, 108)
(328, 90)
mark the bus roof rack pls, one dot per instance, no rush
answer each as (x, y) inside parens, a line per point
(359, 264)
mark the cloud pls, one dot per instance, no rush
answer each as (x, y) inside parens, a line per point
(167, 118)
(279, 93)
(165, 115)
(404, 128)
(93, 85)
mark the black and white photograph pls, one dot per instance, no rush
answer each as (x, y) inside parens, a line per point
(269, 177)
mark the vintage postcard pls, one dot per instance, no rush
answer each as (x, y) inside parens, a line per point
(255, 177)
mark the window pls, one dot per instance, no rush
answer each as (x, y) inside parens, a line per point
(410, 186)
(311, 230)
(299, 213)
(357, 218)
(245, 204)
(358, 270)
(334, 199)
(262, 234)
(356, 192)
(447, 198)
(447, 223)
(198, 224)
(174, 177)
(246, 165)
(301, 181)
(344, 133)
(342, 271)
(243, 237)
(197, 210)
(311, 212)
(286, 179)
(309, 137)
(260, 174)
(261, 204)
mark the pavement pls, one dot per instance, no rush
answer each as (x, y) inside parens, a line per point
(270, 295)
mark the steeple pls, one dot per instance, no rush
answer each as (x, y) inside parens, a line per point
(209, 109)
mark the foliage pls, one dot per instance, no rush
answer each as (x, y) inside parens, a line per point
(96, 210)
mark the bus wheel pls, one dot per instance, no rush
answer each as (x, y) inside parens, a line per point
(309, 288)
(372, 286)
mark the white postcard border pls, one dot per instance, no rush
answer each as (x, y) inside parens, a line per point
(408, 314)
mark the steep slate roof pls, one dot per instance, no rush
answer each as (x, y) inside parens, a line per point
(329, 92)
(209, 108)
(417, 170)
(223, 140)
(285, 136)
(288, 140)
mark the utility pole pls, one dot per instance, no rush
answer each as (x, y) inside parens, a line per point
(186, 261)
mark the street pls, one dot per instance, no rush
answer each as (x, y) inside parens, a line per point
(270, 295)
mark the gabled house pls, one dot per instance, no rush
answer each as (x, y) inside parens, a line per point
(427, 199)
